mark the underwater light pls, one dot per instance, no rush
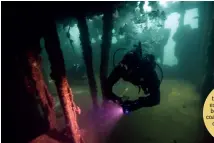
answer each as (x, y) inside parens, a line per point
(114, 40)
(191, 18)
(130, 106)
(99, 37)
(146, 7)
(127, 106)
(121, 36)
(93, 41)
(74, 34)
(113, 31)
(126, 111)
(172, 23)
(163, 3)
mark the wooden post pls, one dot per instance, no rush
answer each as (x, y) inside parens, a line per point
(55, 55)
(105, 48)
(87, 55)
(46, 99)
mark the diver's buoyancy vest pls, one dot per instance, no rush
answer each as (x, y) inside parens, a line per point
(138, 70)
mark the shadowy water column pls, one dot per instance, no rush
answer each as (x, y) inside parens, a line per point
(87, 55)
(55, 55)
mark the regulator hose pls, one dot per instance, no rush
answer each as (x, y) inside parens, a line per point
(114, 65)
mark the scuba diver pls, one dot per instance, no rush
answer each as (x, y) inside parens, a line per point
(139, 70)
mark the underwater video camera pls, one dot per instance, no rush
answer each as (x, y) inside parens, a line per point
(129, 106)
(147, 79)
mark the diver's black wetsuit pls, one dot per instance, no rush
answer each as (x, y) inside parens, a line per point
(140, 72)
